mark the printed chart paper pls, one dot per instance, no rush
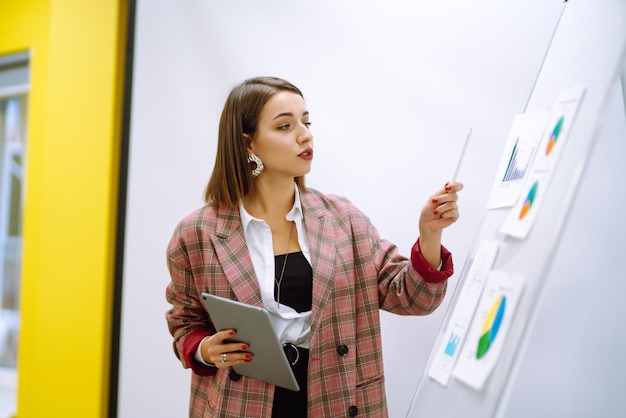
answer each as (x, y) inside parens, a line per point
(522, 217)
(520, 220)
(562, 114)
(515, 165)
(491, 324)
(450, 346)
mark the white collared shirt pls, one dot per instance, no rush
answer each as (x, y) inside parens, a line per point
(289, 325)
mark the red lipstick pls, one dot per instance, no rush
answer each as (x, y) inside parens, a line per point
(307, 154)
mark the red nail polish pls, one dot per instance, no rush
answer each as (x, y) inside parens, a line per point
(248, 356)
(434, 200)
(248, 361)
(244, 347)
(231, 333)
(435, 212)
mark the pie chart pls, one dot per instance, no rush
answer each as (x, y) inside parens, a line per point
(491, 326)
(529, 200)
(555, 135)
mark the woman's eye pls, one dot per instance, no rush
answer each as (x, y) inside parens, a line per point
(284, 127)
(307, 124)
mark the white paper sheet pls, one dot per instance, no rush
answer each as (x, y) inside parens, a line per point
(454, 335)
(526, 132)
(491, 324)
(522, 217)
(562, 116)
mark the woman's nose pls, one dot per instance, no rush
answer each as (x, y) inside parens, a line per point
(305, 135)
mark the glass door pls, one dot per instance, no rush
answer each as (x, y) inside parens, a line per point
(13, 104)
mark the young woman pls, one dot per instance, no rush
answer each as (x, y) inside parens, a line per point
(314, 261)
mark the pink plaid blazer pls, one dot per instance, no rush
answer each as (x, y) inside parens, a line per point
(355, 273)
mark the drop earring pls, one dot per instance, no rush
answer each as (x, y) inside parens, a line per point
(256, 163)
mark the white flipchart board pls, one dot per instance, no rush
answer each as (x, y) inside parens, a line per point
(563, 355)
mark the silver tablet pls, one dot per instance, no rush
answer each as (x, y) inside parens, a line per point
(254, 328)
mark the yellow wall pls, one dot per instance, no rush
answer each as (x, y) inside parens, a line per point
(70, 200)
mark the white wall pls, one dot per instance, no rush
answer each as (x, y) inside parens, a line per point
(392, 88)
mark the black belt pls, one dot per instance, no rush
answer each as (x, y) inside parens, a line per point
(294, 353)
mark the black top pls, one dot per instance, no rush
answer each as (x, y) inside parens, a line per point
(296, 287)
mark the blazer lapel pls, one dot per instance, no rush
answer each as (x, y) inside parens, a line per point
(320, 233)
(233, 255)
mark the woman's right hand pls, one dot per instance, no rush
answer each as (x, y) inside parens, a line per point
(224, 354)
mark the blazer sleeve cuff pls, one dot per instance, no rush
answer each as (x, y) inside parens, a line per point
(429, 274)
(190, 346)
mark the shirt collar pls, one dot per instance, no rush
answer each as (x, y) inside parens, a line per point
(294, 214)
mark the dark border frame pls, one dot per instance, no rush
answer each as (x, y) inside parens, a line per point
(121, 209)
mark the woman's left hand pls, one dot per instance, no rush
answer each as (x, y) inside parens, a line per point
(441, 209)
(439, 212)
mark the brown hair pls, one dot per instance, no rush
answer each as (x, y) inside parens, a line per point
(232, 179)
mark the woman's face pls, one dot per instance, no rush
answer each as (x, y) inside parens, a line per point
(283, 140)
